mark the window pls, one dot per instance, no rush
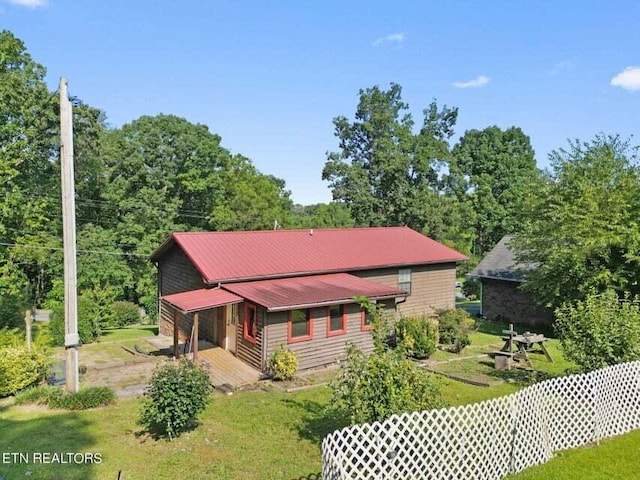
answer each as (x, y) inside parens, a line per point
(250, 326)
(300, 326)
(404, 279)
(336, 320)
(366, 319)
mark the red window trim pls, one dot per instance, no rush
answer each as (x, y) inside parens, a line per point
(245, 324)
(304, 338)
(363, 326)
(343, 330)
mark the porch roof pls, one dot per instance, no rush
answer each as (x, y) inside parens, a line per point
(201, 299)
(311, 291)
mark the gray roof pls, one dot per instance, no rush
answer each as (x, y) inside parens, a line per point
(500, 264)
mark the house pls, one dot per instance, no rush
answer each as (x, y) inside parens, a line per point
(501, 277)
(251, 292)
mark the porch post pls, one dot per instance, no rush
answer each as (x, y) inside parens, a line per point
(176, 318)
(194, 340)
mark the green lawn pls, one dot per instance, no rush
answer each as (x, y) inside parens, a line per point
(261, 434)
(614, 459)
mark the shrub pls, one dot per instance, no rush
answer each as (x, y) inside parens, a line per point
(55, 397)
(417, 336)
(38, 395)
(125, 313)
(91, 397)
(19, 369)
(372, 388)
(178, 392)
(599, 331)
(283, 364)
(471, 289)
(88, 321)
(454, 327)
(11, 337)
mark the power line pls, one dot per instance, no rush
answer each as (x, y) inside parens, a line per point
(96, 252)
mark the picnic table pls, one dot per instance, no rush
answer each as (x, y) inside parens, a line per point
(525, 343)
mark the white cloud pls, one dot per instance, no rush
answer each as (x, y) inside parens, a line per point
(629, 79)
(391, 38)
(481, 81)
(29, 3)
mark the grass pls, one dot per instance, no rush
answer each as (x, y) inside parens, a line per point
(614, 459)
(128, 333)
(265, 433)
(248, 435)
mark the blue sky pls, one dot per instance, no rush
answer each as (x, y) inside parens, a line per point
(269, 76)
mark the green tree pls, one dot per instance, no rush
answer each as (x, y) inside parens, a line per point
(490, 171)
(602, 330)
(384, 172)
(582, 223)
(28, 124)
(321, 215)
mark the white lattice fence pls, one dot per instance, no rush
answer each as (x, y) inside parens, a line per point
(488, 440)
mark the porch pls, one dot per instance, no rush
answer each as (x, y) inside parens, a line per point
(225, 369)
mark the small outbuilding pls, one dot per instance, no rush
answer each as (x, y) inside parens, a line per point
(501, 278)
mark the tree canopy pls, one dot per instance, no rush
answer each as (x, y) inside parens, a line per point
(386, 173)
(582, 223)
(490, 171)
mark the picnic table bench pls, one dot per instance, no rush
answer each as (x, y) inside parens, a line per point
(526, 343)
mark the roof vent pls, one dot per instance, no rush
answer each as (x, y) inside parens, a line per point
(311, 232)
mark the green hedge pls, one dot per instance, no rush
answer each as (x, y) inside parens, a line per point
(19, 369)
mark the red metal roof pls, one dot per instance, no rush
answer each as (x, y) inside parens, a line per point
(201, 299)
(303, 292)
(233, 256)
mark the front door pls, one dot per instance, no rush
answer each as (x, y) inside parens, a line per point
(231, 327)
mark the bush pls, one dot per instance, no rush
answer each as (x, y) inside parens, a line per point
(125, 313)
(11, 337)
(55, 397)
(283, 364)
(19, 369)
(178, 392)
(602, 330)
(372, 388)
(417, 336)
(37, 395)
(471, 289)
(454, 327)
(88, 321)
(91, 397)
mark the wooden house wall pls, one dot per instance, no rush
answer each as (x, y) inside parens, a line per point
(249, 352)
(432, 287)
(209, 328)
(177, 274)
(321, 349)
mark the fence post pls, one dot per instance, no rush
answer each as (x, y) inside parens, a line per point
(514, 432)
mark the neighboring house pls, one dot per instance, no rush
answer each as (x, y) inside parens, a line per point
(250, 292)
(500, 277)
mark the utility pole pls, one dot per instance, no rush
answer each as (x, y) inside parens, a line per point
(71, 337)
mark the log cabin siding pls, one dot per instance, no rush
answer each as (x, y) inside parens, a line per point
(321, 350)
(432, 287)
(177, 273)
(245, 350)
(207, 325)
